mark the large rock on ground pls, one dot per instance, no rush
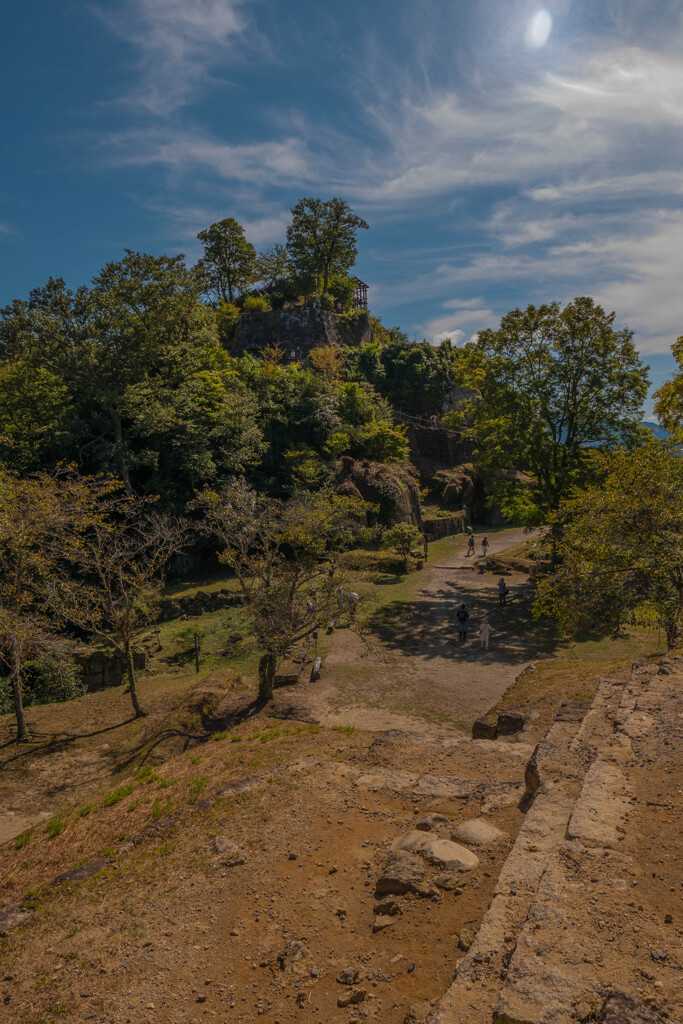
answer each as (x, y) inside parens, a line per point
(430, 822)
(477, 832)
(483, 730)
(449, 856)
(404, 872)
(412, 841)
(620, 1008)
(510, 722)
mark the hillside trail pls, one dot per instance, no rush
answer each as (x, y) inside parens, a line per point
(405, 668)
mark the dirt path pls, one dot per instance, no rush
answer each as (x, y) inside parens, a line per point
(409, 670)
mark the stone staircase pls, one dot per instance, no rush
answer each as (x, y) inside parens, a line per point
(554, 943)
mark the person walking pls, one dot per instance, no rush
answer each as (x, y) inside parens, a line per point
(340, 598)
(353, 598)
(502, 592)
(425, 544)
(462, 617)
(485, 546)
(484, 633)
(470, 545)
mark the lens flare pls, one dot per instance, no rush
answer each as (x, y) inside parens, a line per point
(538, 30)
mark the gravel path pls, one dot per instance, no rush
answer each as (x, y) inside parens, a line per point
(411, 672)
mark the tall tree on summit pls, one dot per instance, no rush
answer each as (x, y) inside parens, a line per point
(322, 237)
(229, 260)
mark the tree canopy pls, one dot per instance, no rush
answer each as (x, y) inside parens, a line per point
(321, 240)
(229, 260)
(553, 382)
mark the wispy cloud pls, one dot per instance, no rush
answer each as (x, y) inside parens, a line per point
(177, 44)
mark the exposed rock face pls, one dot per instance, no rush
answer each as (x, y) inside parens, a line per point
(620, 1008)
(393, 488)
(510, 722)
(483, 730)
(100, 669)
(298, 329)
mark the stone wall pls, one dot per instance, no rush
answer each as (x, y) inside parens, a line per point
(197, 604)
(298, 330)
(100, 669)
(445, 526)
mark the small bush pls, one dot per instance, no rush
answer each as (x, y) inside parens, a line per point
(255, 304)
(219, 735)
(197, 787)
(118, 794)
(235, 739)
(55, 826)
(22, 839)
(146, 774)
(86, 809)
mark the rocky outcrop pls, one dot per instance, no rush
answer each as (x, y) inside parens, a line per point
(100, 669)
(299, 330)
(393, 488)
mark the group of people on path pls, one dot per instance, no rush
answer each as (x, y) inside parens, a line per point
(462, 615)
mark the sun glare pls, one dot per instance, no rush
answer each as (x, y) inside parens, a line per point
(538, 30)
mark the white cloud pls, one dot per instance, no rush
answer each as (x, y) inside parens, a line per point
(273, 161)
(177, 41)
(469, 313)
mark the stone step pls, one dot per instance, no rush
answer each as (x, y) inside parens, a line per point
(555, 774)
(581, 935)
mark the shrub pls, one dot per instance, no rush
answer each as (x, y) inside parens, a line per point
(255, 304)
(197, 786)
(402, 538)
(22, 839)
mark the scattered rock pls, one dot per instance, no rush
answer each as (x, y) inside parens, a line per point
(510, 722)
(13, 917)
(412, 841)
(294, 958)
(348, 976)
(477, 832)
(357, 995)
(483, 730)
(381, 922)
(81, 874)
(449, 856)
(403, 872)
(448, 881)
(417, 1013)
(620, 1008)
(388, 907)
(223, 845)
(430, 822)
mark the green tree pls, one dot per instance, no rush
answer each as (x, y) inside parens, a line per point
(321, 240)
(553, 382)
(272, 265)
(229, 260)
(110, 576)
(621, 544)
(402, 538)
(669, 398)
(282, 553)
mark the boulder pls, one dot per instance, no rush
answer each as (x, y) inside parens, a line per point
(449, 856)
(357, 995)
(483, 730)
(412, 841)
(404, 872)
(477, 832)
(13, 917)
(620, 1008)
(348, 976)
(295, 958)
(81, 874)
(381, 922)
(430, 822)
(510, 722)
(388, 907)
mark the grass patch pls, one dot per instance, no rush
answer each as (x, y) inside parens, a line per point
(146, 774)
(74, 930)
(219, 734)
(85, 810)
(166, 783)
(348, 730)
(55, 826)
(197, 787)
(22, 839)
(133, 805)
(161, 810)
(196, 759)
(120, 793)
(235, 739)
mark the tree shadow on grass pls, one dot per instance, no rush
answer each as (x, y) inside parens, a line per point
(426, 625)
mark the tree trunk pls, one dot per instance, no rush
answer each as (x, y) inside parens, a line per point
(123, 465)
(266, 677)
(325, 277)
(22, 731)
(132, 683)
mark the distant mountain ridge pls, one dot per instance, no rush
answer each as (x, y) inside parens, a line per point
(660, 433)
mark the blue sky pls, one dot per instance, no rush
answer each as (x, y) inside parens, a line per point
(502, 152)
